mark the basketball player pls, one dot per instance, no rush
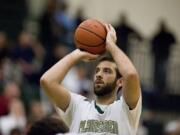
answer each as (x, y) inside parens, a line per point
(105, 114)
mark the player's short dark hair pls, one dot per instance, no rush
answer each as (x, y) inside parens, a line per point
(48, 126)
(110, 59)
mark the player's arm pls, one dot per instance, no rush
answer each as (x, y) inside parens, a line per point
(51, 80)
(131, 83)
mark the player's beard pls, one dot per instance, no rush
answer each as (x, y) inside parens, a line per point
(105, 89)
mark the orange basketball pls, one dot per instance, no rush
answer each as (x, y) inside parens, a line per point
(90, 36)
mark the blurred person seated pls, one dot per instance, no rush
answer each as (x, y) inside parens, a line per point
(23, 51)
(1, 79)
(58, 51)
(10, 92)
(77, 81)
(142, 130)
(36, 111)
(16, 131)
(83, 81)
(24, 55)
(48, 126)
(172, 128)
(15, 118)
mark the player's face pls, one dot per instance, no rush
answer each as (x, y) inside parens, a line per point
(104, 78)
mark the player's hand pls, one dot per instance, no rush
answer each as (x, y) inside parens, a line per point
(111, 37)
(86, 56)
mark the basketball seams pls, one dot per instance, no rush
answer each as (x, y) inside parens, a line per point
(92, 32)
(88, 44)
(92, 49)
(101, 24)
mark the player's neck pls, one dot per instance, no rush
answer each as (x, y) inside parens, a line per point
(106, 100)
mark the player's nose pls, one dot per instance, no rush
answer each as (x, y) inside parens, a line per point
(99, 75)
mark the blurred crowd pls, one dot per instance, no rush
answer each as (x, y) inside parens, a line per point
(26, 57)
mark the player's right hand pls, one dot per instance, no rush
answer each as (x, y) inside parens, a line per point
(111, 37)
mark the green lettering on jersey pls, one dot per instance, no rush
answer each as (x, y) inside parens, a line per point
(81, 127)
(96, 126)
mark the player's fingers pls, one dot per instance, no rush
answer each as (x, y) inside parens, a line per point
(90, 55)
(107, 27)
(112, 28)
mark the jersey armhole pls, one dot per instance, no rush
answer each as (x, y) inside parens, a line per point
(139, 104)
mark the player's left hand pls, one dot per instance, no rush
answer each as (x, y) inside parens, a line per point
(86, 56)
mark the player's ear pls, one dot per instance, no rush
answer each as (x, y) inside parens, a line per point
(119, 83)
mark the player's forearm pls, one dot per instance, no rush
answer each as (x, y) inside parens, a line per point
(60, 69)
(131, 84)
(125, 66)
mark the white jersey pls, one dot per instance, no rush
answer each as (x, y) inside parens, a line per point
(83, 134)
(117, 119)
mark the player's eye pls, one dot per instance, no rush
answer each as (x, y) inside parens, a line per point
(107, 70)
(97, 70)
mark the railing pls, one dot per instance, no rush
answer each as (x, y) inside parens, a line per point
(142, 58)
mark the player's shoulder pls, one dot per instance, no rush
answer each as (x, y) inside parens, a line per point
(80, 97)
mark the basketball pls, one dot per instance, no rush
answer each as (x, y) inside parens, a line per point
(90, 36)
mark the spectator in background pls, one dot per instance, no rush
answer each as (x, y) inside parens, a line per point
(23, 54)
(76, 80)
(36, 111)
(161, 42)
(83, 82)
(47, 33)
(79, 16)
(3, 46)
(172, 128)
(15, 118)
(48, 126)
(58, 51)
(125, 32)
(13, 15)
(66, 24)
(1, 78)
(3, 55)
(10, 92)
